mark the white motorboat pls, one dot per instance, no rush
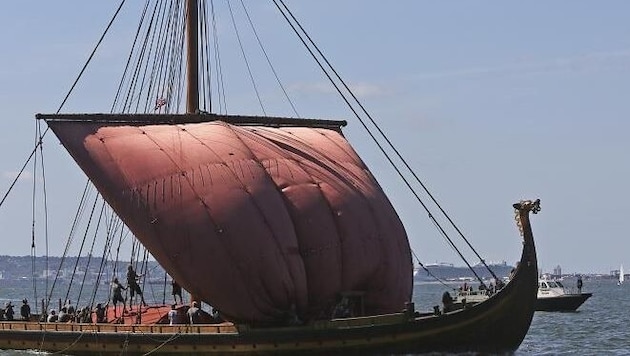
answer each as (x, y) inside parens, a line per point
(553, 296)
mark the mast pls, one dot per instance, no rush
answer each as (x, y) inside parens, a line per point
(192, 26)
(192, 67)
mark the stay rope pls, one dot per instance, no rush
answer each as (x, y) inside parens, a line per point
(311, 46)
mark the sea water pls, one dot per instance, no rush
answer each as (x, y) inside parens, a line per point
(601, 326)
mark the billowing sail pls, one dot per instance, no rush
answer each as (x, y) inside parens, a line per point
(254, 219)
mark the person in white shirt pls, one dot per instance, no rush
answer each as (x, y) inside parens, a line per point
(172, 315)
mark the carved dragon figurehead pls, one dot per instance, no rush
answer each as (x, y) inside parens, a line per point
(528, 205)
(523, 207)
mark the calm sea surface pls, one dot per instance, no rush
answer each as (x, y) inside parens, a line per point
(601, 326)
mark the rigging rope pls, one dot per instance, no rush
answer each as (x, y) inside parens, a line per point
(59, 269)
(63, 102)
(129, 58)
(98, 223)
(249, 70)
(34, 209)
(218, 67)
(87, 268)
(206, 77)
(34, 212)
(273, 69)
(41, 136)
(381, 133)
(429, 272)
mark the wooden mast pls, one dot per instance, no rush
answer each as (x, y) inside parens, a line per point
(192, 72)
(192, 26)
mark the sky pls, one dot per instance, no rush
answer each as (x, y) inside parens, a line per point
(490, 103)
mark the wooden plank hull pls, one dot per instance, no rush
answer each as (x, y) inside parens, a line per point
(466, 330)
(498, 324)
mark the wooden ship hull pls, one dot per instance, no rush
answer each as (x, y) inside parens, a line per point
(498, 324)
(385, 333)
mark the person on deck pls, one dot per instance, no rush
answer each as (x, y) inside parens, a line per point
(500, 284)
(52, 316)
(579, 284)
(117, 289)
(100, 312)
(342, 309)
(172, 315)
(69, 307)
(194, 313)
(84, 315)
(216, 316)
(8, 312)
(63, 316)
(176, 291)
(134, 287)
(447, 302)
(25, 310)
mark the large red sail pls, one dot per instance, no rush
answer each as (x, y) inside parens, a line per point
(252, 219)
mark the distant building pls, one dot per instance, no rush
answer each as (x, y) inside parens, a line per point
(557, 271)
(615, 273)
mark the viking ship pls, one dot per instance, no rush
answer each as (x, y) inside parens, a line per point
(270, 220)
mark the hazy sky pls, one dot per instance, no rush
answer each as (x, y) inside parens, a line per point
(491, 102)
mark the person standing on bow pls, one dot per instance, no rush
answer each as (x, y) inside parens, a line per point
(176, 291)
(70, 307)
(117, 296)
(173, 315)
(579, 284)
(134, 287)
(194, 313)
(25, 310)
(101, 313)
